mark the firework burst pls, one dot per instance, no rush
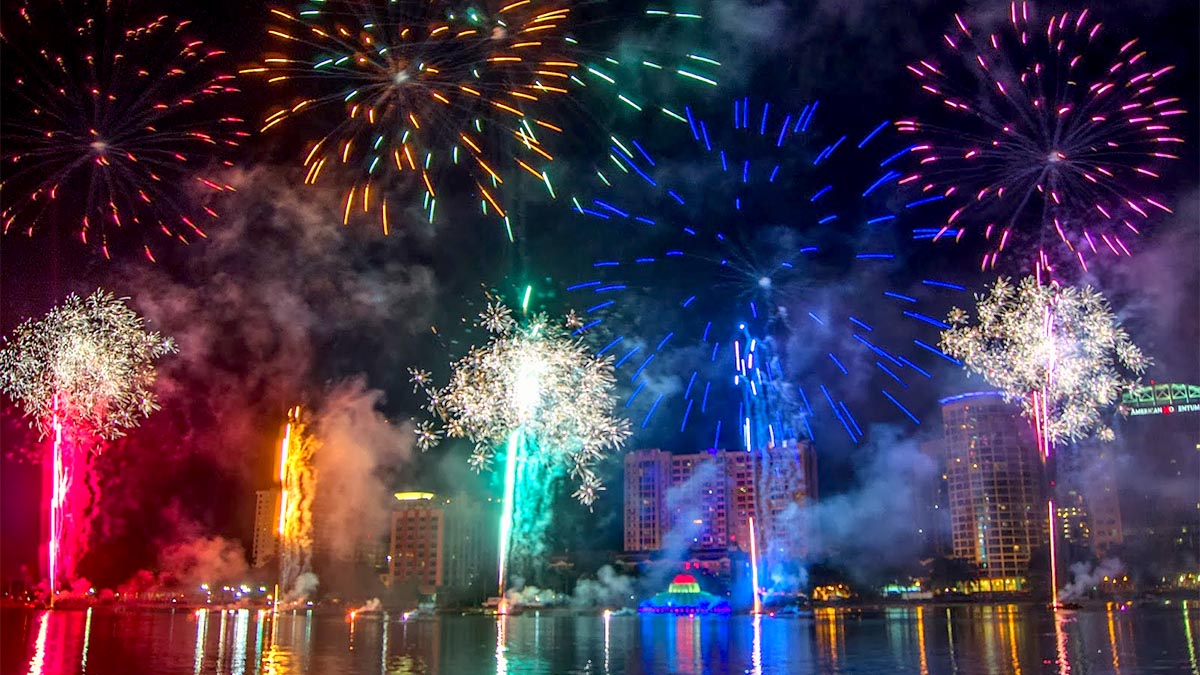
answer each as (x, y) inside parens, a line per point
(82, 371)
(1052, 136)
(117, 136)
(421, 91)
(536, 378)
(89, 359)
(1058, 349)
(713, 246)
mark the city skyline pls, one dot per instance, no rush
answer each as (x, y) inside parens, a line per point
(620, 337)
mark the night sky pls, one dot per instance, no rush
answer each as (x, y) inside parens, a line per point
(283, 303)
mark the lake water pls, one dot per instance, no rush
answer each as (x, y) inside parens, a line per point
(964, 639)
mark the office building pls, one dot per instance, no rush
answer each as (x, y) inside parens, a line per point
(697, 499)
(443, 545)
(647, 477)
(470, 544)
(932, 506)
(1086, 498)
(265, 541)
(706, 499)
(1159, 438)
(417, 540)
(994, 480)
(1104, 504)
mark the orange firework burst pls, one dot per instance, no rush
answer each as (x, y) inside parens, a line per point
(421, 90)
(117, 133)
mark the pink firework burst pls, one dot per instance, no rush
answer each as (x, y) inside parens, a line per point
(1048, 139)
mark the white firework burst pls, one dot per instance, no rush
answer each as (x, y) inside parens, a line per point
(420, 378)
(537, 378)
(90, 359)
(1060, 344)
(428, 435)
(496, 318)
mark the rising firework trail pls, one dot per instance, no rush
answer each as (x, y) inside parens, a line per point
(115, 126)
(1059, 350)
(754, 589)
(537, 391)
(1048, 137)
(83, 373)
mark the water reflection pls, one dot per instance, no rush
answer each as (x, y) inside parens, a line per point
(501, 644)
(950, 641)
(38, 662)
(1002, 639)
(829, 637)
(1011, 637)
(201, 634)
(607, 639)
(921, 641)
(756, 649)
(87, 634)
(1060, 641)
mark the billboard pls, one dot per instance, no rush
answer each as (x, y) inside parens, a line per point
(1161, 399)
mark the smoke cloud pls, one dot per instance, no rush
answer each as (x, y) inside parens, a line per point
(279, 282)
(211, 560)
(872, 526)
(305, 587)
(359, 448)
(1085, 575)
(372, 605)
(609, 589)
(520, 595)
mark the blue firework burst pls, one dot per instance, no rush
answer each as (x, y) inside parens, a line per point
(759, 251)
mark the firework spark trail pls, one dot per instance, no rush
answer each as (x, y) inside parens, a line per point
(754, 589)
(535, 390)
(1061, 146)
(768, 404)
(297, 489)
(117, 135)
(511, 457)
(58, 488)
(83, 373)
(715, 244)
(424, 90)
(1059, 350)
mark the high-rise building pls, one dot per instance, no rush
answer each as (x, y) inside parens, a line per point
(709, 497)
(699, 482)
(995, 488)
(469, 543)
(266, 527)
(741, 497)
(417, 539)
(933, 502)
(647, 477)
(784, 479)
(1086, 501)
(1159, 436)
(1073, 518)
(1103, 503)
(443, 545)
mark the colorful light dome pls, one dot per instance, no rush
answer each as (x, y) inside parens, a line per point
(683, 596)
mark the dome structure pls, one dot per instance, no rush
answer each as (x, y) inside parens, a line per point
(683, 596)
